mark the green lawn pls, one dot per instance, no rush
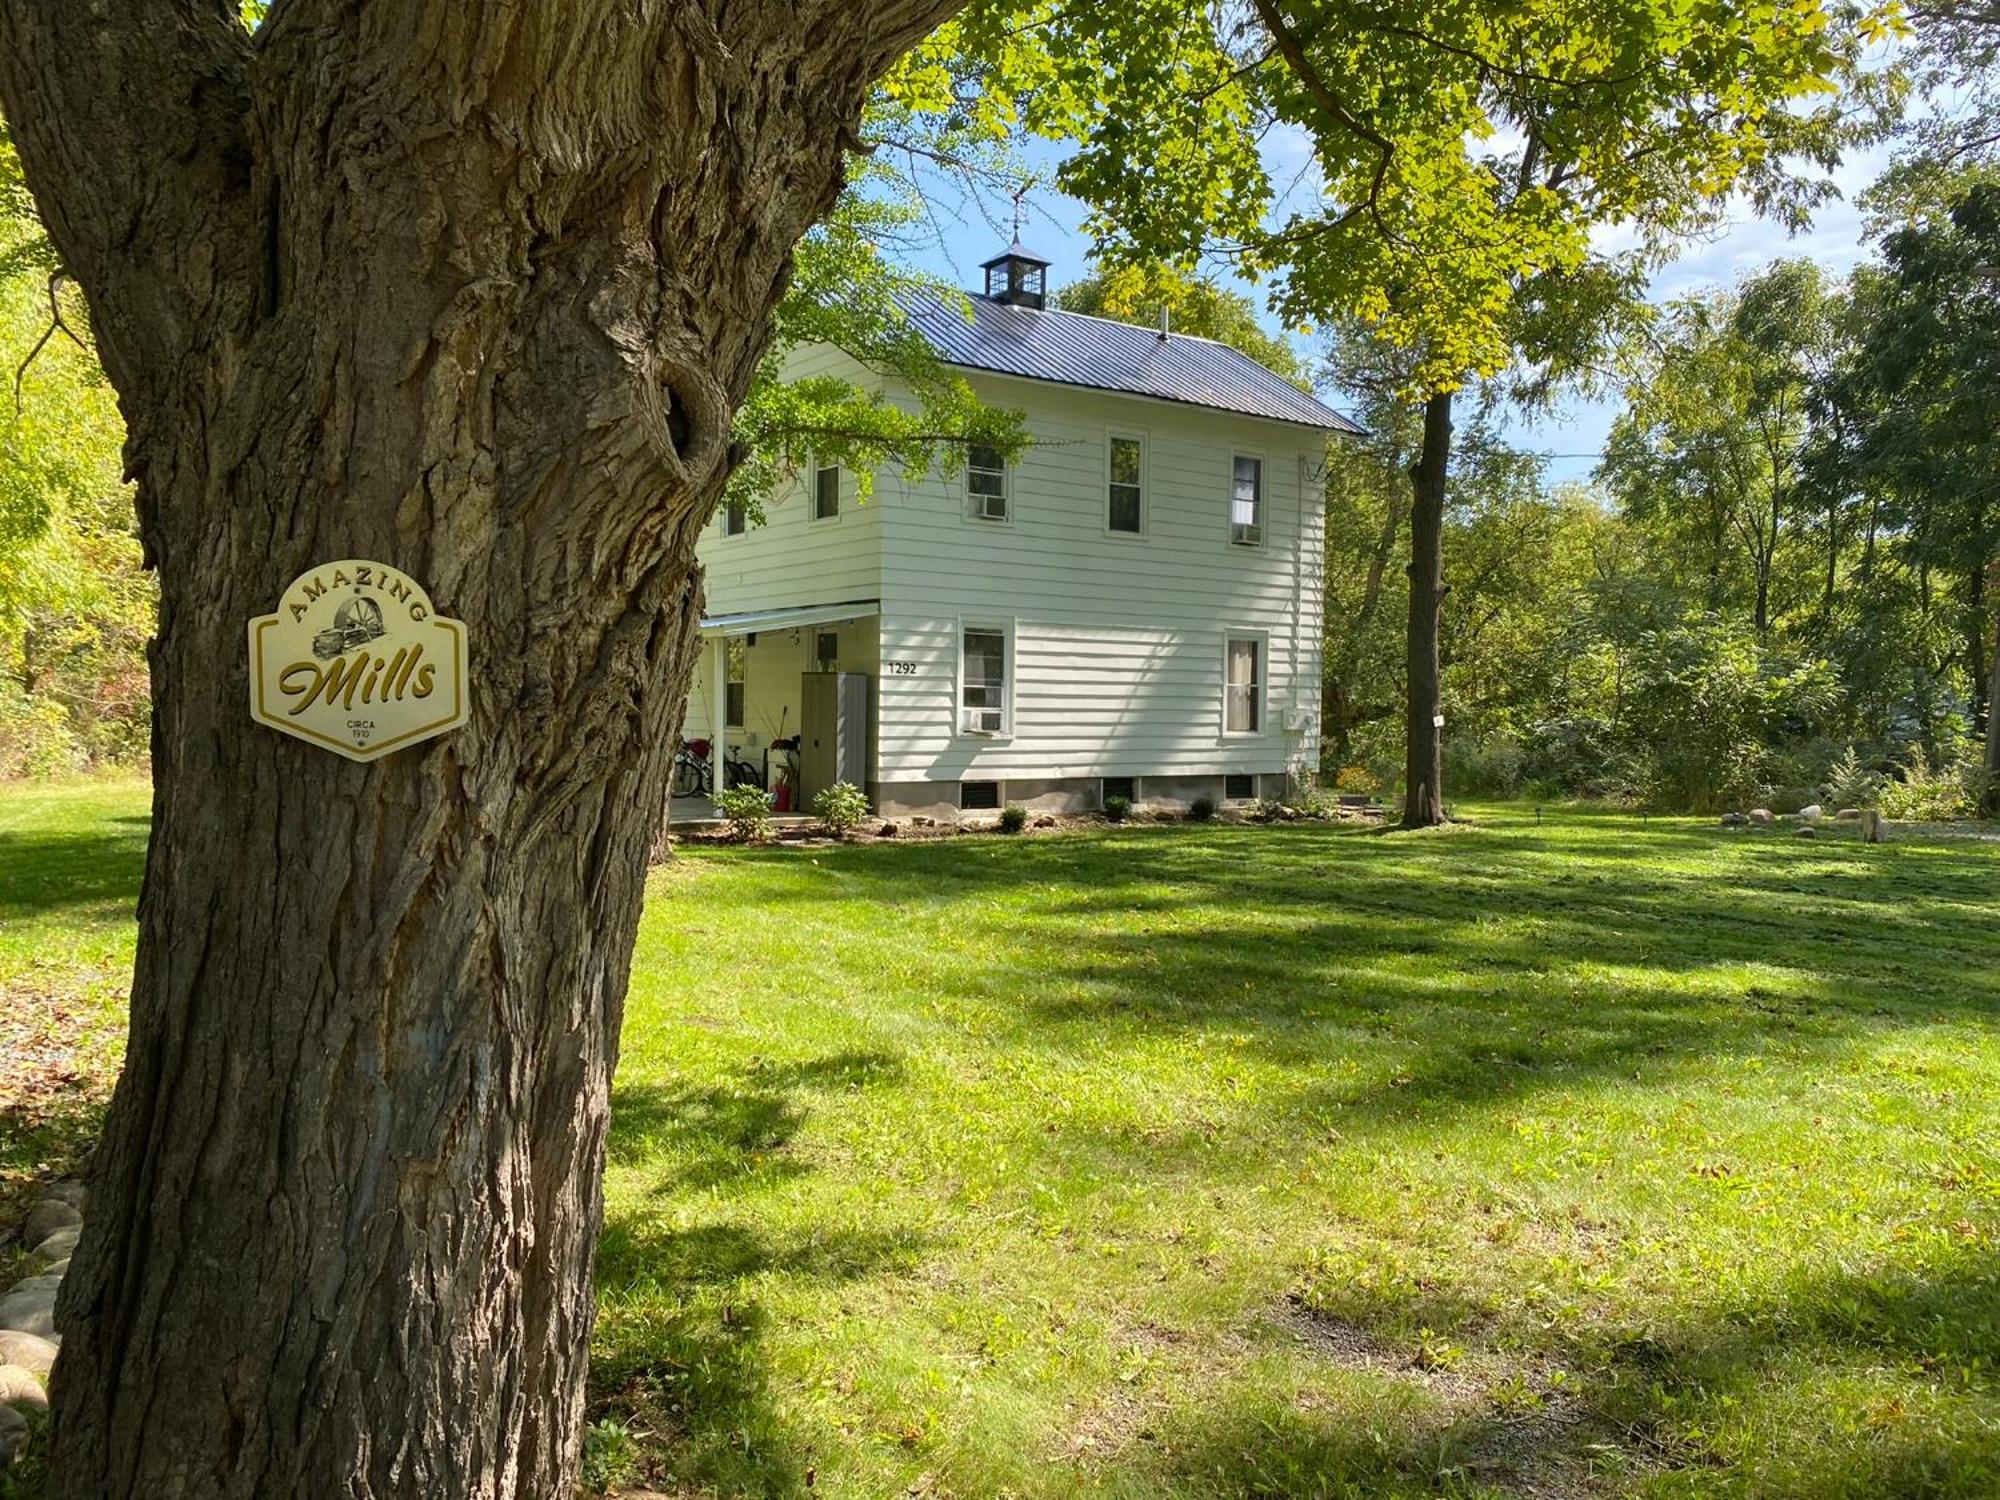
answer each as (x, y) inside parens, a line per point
(1594, 1158)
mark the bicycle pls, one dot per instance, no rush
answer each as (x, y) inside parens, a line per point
(694, 773)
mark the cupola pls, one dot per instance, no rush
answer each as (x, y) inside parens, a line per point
(1017, 276)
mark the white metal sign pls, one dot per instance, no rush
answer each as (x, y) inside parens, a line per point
(356, 660)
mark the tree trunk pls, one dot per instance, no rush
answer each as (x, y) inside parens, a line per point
(1976, 665)
(1992, 760)
(1423, 774)
(1993, 725)
(470, 290)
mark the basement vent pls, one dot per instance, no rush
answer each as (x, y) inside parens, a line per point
(1239, 788)
(1120, 786)
(979, 796)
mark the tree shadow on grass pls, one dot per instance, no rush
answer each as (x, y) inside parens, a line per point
(679, 1347)
(1500, 961)
(1680, 1400)
(43, 874)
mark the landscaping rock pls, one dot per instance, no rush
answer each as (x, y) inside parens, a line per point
(886, 831)
(58, 1245)
(69, 1191)
(1805, 831)
(13, 1433)
(45, 1218)
(1812, 812)
(1848, 815)
(31, 1306)
(1760, 817)
(27, 1350)
(20, 1390)
(1733, 820)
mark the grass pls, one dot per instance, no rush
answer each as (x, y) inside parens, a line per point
(70, 858)
(1592, 1158)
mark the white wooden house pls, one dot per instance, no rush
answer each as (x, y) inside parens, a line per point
(1132, 608)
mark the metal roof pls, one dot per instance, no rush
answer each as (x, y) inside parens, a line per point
(1076, 349)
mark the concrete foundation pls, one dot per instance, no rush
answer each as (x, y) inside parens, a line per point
(1078, 794)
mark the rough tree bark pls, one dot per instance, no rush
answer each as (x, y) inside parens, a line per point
(470, 288)
(1423, 772)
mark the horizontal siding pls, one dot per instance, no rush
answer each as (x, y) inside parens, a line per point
(793, 560)
(1088, 701)
(1118, 640)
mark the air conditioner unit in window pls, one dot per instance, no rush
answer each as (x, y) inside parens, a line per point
(983, 721)
(989, 507)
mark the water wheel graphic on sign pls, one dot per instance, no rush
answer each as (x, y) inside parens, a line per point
(355, 623)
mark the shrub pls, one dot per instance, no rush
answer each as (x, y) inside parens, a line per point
(1491, 767)
(1013, 818)
(610, 1451)
(841, 807)
(1851, 784)
(1265, 810)
(1117, 809)
(1926, 795)
(1704, 703)
(748, 809)
(1201, 809)
(1356, 781)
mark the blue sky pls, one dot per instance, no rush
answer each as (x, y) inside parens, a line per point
(969, 232)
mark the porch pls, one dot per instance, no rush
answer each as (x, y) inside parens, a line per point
(756, 693)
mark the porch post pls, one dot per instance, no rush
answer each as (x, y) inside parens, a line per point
(718, 711)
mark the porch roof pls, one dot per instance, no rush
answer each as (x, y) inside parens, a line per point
(787, 619)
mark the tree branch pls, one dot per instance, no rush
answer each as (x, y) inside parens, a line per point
(1293, 51)
(129, 119)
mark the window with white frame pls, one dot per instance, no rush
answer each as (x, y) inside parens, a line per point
(985, 484)
(1243, 686)
(1246, 502)
(982, 676)
(735, 518)
(736, 654)
(1127, 499)
(826, 492)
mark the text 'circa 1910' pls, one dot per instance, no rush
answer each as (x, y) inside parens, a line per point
(357, 660)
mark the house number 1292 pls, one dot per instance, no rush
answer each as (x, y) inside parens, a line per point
(899, 668)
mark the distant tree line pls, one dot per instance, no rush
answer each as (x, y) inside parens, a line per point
(1785, 581)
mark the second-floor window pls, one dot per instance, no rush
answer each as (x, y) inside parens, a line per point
(735, 518)
(1127, 510)
(986, 484)
(826, 492)
(983, 681)
(1246, 502)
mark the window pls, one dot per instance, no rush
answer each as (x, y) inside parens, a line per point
(826, 650)
(978, 796)
(1243, 687)
(736, 656)
(986, 485)
(983, 681)
(735, 518)
(1246, 503)
(826, 493)
(1239, 788)
(1119, 786)
(1128, 500)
